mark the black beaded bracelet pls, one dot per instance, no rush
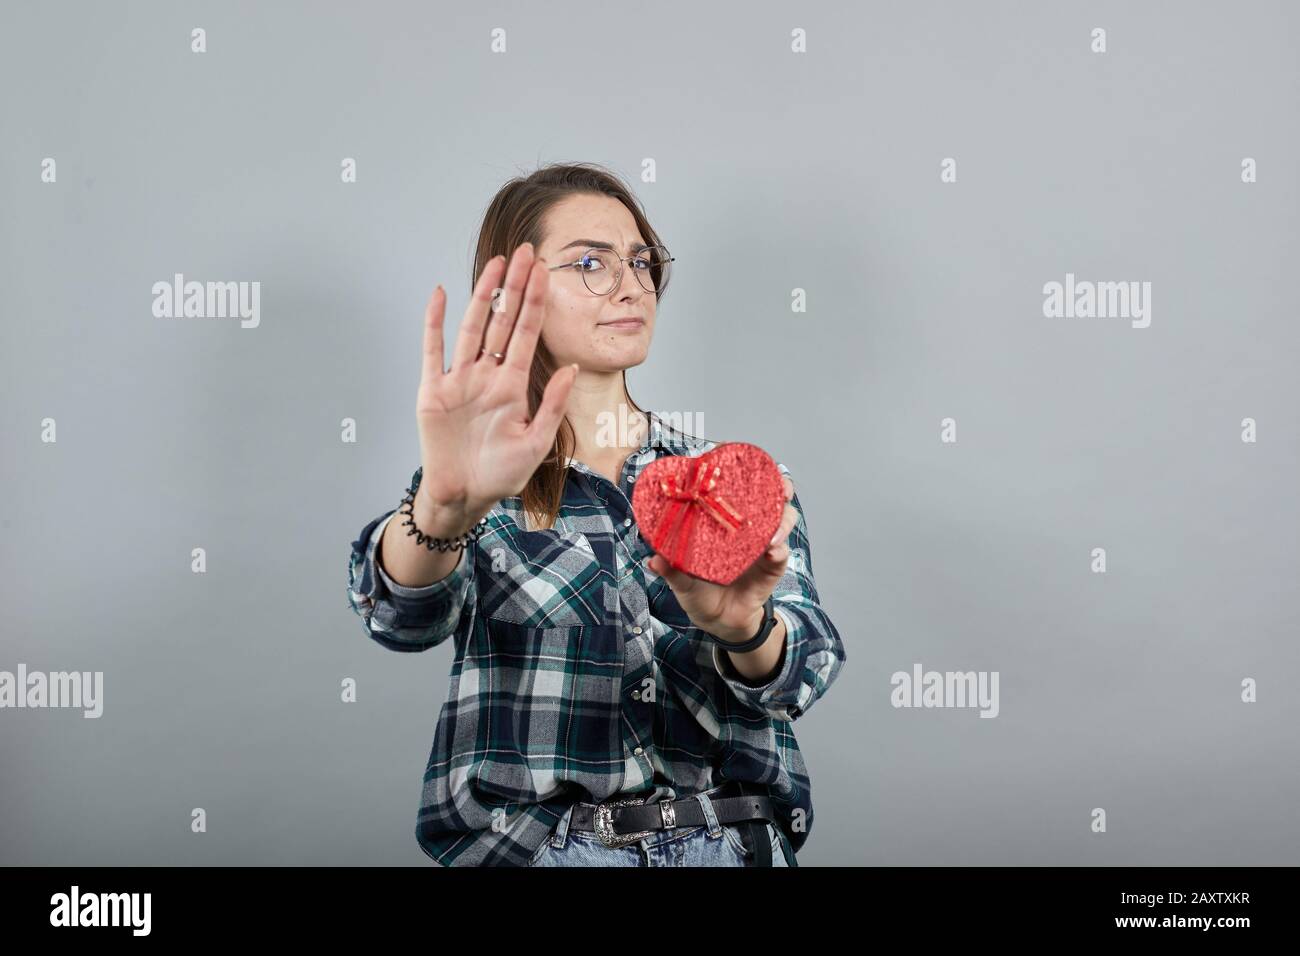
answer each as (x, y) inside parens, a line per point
(430, 542)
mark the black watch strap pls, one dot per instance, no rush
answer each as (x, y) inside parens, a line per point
(764, 629)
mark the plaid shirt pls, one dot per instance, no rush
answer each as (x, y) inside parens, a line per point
(577, 676)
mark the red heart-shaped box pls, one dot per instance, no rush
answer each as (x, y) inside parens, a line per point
(717, 532)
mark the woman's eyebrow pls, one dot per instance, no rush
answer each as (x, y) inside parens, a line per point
(597, 244)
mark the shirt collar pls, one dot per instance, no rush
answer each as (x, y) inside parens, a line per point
(657, 435)
(660, 434)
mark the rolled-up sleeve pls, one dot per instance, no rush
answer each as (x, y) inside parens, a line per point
(404, 618)
(814, 652)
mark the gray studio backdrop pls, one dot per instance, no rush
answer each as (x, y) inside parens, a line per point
(824, 171)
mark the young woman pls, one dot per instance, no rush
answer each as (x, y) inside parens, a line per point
(597, 713)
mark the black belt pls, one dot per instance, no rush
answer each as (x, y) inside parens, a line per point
(623, 820)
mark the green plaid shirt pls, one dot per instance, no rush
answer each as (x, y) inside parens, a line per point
(577, 676)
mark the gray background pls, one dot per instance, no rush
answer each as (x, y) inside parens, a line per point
(775, 171)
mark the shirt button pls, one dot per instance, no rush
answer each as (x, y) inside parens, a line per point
(627, 522)
(631, 477)
(638, 751)
(636, 629)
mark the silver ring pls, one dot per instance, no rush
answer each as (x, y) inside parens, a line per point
(499, 355)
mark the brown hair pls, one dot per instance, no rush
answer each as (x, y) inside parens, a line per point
(515, 216)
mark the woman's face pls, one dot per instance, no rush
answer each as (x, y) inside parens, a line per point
(576, 326)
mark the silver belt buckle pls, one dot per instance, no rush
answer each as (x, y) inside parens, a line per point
(603, 823)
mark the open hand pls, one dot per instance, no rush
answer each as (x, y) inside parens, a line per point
(477, 441)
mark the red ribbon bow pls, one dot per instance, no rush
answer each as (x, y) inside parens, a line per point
(685, 507)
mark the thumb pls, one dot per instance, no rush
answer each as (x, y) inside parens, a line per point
(765, 573)
(546, 422)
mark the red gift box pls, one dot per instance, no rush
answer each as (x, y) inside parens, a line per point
(713, 514)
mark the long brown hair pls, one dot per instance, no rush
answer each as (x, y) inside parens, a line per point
(514, 216)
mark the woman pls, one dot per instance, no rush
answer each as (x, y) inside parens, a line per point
(596, 714)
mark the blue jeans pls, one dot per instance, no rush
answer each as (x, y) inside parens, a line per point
(710, 844)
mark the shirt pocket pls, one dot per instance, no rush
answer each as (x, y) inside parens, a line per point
(549, 709)
(544, 579)
(547, 669)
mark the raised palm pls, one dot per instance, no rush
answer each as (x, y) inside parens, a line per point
(477, 441)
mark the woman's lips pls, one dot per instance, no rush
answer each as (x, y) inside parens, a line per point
(623, 324)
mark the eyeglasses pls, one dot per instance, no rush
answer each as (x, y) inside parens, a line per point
(602, 270)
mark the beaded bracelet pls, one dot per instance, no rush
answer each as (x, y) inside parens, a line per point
(430, 542)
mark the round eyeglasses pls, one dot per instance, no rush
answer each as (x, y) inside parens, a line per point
(602, 269)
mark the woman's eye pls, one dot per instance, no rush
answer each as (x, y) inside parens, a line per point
(640, 263)
(590, 264)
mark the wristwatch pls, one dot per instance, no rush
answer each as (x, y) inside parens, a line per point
(764, 629)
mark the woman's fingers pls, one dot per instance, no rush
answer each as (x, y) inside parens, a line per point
(789, 517)
(470, 337)
(541, 430)
(434, 312)
(523, 341)
(788, 520)
(505, 309)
